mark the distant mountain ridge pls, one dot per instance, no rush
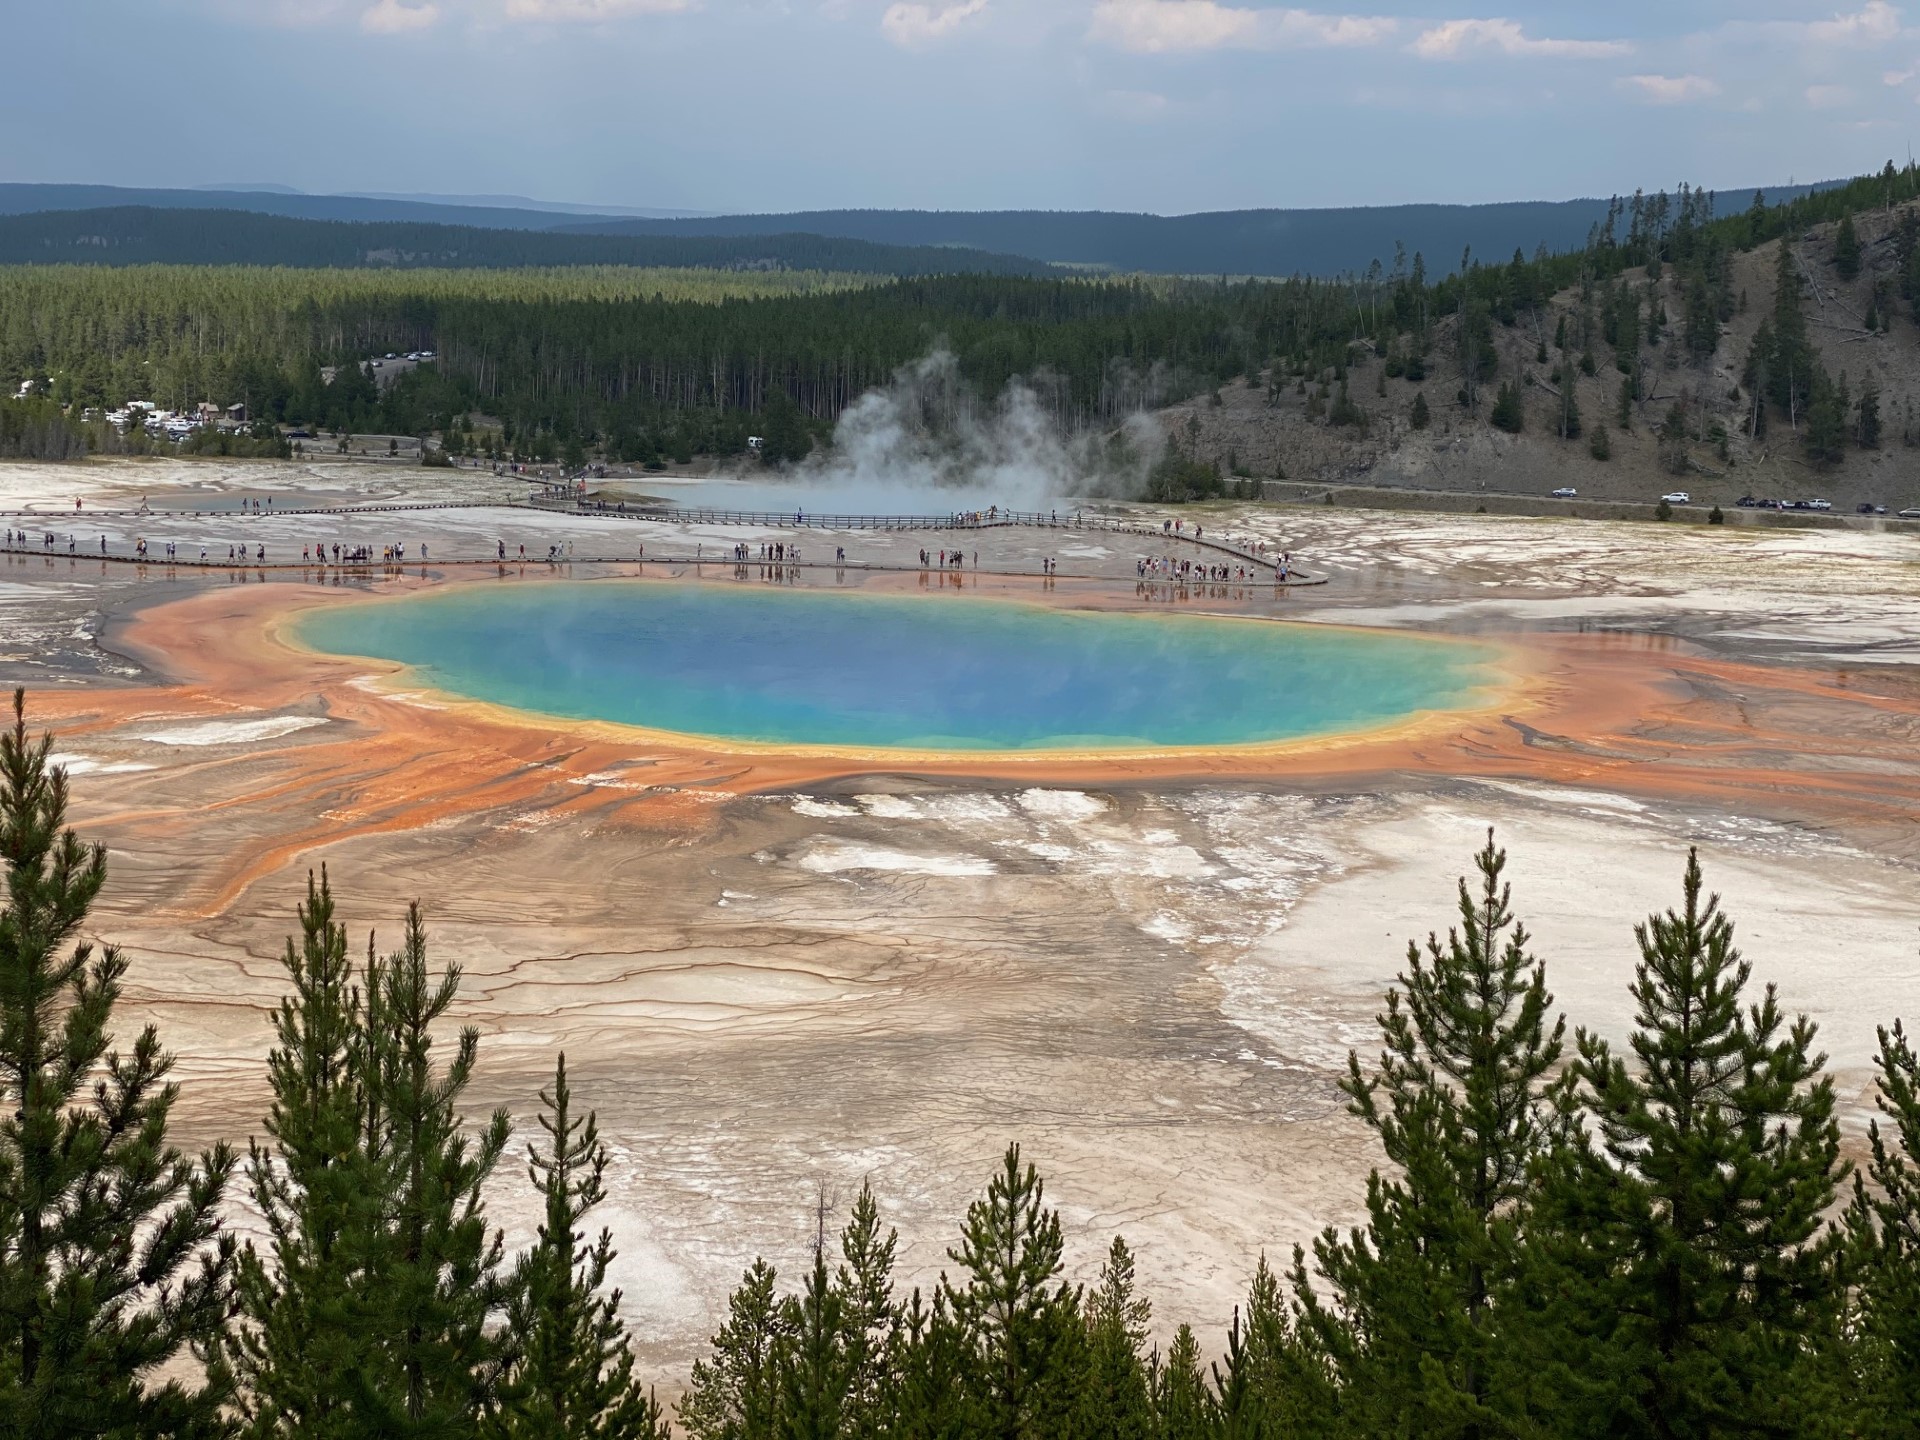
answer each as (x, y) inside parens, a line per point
(21, 199)
(142, 235)
(1275, 242)
(1227, 242)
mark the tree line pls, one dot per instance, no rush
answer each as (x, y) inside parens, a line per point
(144, 235)
(637, 365)
(1562, 1237)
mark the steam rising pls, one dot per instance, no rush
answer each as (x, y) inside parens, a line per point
(927, 441)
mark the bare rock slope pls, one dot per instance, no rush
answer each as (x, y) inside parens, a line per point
(1270, 427)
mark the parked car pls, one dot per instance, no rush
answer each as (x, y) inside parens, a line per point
(1565, 492)
(1819, 504)
(1910, 514)
(1677, 497)
(1867, 507)
(1747, 502)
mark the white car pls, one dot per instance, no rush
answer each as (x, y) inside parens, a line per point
(1565, 492)
(1678, 497)
(1820, 504)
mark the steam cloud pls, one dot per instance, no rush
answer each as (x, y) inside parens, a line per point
(927, 434)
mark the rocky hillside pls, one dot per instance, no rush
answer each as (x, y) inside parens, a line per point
(1280, 426)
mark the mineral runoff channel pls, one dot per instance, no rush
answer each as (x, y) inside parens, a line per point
(776, 971)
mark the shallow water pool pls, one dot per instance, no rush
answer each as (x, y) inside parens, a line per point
(909, 672)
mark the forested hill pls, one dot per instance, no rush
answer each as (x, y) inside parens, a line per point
(1274, 242)
(1230, 242)
(137, 235)
(20, 198)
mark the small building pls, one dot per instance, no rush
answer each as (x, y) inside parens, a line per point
(237, 414)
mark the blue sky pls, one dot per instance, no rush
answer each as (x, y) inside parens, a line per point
(1163, 105)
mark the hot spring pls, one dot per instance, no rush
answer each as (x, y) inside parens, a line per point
(901, 672)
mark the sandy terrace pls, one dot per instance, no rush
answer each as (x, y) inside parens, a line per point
(772, 977)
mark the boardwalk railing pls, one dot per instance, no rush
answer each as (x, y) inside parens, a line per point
(796, 519)
(800, 519)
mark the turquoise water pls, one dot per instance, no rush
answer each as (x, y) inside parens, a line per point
(946, 673)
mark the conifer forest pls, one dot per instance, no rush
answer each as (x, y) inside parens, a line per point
(633, 363)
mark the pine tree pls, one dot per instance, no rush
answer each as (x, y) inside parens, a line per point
(1421, 416)
(1023, 1325)
(1679, 1236)
(1457, 1101)
(1702, 322)
(1883, 1225)
(816, 1373)
(870, 1318)
(735, 1393)
(1867, 410)
(1846, 249)
(1508, 413)
(438, 1282)
(1569, 404)
(113, 1267)
(1180, 1402)
(374, 1314)
(939, 1384)
(1790, 366)
(1116, 1402)
(569, 1374)
(1825, 439)
(319, 1191)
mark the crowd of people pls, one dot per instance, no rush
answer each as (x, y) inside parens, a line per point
(1163, 567)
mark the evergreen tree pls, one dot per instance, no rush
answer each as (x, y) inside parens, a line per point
(1846, 249)
(1867, 409)
(939, 1377)
(1457, 1101)
(1181, 1406)
(1023, 1325)
(816, 1372)
(1789, 364)
(1421, 416)
(570, 1371)
(1117, 1403)
(1569, 404)
(1883, 1225)
(435, 1281)
(319, 1191)
(1508, 413)
(373, 1316)
(1702, 321)
(1684, 1271)
(113, 1267)
(735, 1393)
(870, 1319)
(1826, 432)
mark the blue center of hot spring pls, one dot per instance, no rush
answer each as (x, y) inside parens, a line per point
(934, 673)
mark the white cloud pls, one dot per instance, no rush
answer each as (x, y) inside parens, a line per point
(589, 10)
(1671, 89)
(1151, 27)
(390, 17)
(1154, 27)
(1898, 77)
(913, 26)
(1453, 39)
(1825, 97)
(1876, 24)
